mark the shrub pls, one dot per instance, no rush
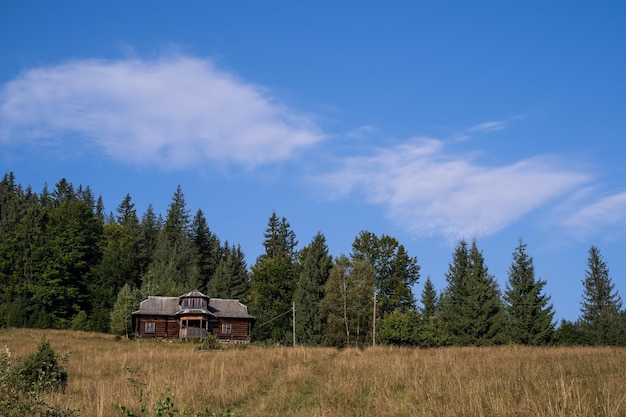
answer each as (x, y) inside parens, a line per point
(210, 342)
(41, 371)
(18, 399)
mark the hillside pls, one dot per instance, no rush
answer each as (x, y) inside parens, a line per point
(275, 381)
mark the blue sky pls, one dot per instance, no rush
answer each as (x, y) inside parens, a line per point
(427, 122)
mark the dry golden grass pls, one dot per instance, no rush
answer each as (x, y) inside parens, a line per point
(381, 381)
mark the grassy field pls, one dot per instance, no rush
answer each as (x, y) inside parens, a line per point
(381, 381)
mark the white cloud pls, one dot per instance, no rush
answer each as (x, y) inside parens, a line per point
(428, 191)
(605, 217)
(176, 111)
(485, 127)
(491, 126)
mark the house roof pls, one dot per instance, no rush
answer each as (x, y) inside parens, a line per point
(170, 306)
(158, 306)
(194, 294)
(220, 307)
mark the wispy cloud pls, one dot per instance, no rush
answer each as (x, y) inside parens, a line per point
(484, 127)
(427, 190)
(176, 111)
(490, 126)
(604, 217)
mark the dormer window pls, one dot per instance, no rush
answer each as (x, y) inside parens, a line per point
(194, 303)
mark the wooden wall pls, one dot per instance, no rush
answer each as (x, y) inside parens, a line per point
(240, 329)
(169, 328)
(165, 327)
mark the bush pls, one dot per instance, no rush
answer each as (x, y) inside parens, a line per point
(41, 371)
(210, 342)
(18, 399)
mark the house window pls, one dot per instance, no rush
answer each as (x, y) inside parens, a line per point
(226, 328)
(150, 327)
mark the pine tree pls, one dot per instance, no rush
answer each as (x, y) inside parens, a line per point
(454, 310)
(316, 265)
(149, 230)
(71, 249)
(529, 314)
(208, 247)
(231, 278)
(601, 305)
(273, 282)
(489, 319)
(471, 308)
(173, 270)
(429, 300)
(396, 271)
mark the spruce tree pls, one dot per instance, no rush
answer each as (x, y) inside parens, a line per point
(316, 265)
(173, 270)
(231, 278)
(429, 300)
(71, 249)
(149, 230)
(208, 247)
(471, 308)
(273, 282)
(601, 305)
(454, 310)
(529, 314)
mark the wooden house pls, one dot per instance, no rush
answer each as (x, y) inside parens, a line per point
(193, 315)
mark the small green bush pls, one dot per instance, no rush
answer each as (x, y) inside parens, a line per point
(41, 371)
(18, 399)
(210, 342)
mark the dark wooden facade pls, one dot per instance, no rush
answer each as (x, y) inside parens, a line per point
(231, 330)
(151, 326)
(193, 315)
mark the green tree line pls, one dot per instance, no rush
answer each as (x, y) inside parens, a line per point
(67, 263)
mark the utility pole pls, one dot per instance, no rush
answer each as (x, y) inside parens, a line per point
(293, 308)
(374, 322)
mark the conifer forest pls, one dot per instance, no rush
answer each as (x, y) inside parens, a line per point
(68, 263)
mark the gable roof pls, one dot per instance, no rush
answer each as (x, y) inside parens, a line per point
(170, 306)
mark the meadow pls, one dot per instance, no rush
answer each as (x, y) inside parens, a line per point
(377, 381)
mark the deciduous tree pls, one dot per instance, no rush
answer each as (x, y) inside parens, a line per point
(396, 272)
(348, 303)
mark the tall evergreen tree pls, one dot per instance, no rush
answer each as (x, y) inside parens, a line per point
(120, 263)
(231, 278)
(149, 230)
(429, 300)
(601, 305)
(348, 303)
(273, 282)
(316, 265)
(173, 270)
(71, 249)
(471, 308)
(208, 247)
(529, 314)
(396, 271)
